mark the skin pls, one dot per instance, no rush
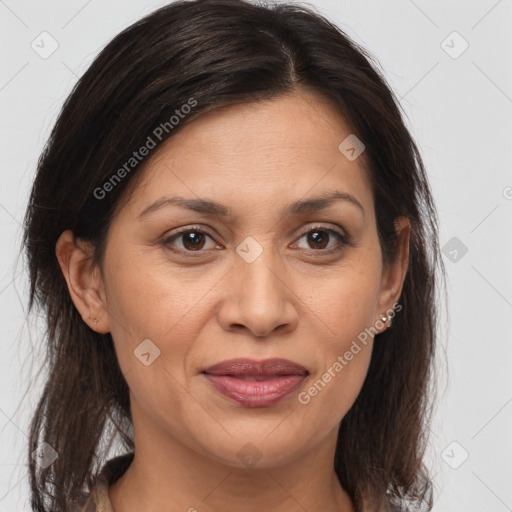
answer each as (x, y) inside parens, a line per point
(294, 301)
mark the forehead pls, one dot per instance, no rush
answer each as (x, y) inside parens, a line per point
(268, 150)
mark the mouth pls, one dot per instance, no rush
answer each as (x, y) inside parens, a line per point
(253, 383)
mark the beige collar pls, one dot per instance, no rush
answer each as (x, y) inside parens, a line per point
(98, 499)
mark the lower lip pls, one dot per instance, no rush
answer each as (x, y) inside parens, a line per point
(252, 393)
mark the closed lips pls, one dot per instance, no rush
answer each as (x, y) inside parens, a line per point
(248, 369)
(253, 383)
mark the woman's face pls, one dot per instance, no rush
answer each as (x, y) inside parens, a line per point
(280, 259)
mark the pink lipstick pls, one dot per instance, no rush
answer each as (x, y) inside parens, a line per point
(254, 383)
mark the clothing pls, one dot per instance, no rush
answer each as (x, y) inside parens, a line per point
(99, 501)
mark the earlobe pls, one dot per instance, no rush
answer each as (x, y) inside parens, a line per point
(84, 282)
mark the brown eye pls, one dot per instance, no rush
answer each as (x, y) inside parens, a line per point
(193, 240)
(319, 239)
(190, 240)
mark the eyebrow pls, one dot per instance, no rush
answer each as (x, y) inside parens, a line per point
(215, 209)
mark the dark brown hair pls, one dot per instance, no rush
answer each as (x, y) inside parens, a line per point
(225, 52)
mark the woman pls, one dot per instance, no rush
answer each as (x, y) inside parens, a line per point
(234, 240)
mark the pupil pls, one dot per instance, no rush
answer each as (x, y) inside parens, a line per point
(194, 240)
(318, 238)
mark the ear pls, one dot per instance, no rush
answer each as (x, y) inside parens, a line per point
(84, 282)
(394, 273)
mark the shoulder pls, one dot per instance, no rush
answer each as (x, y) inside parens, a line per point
(97, 500)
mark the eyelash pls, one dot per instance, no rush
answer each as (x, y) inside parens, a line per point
(342, 238)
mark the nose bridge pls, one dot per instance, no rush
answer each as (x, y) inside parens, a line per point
(257, 264)
(259, 297)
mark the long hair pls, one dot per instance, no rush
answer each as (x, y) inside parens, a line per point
(209, 54)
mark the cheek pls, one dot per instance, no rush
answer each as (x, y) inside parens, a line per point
(167, 309)
(345, 313)
(345, 301)
(159, 303)
(330, 394)
(346, 348)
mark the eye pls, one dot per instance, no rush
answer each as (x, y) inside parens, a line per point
(192, 240)
(319, 238)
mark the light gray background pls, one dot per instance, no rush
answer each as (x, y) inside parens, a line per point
(460, 112)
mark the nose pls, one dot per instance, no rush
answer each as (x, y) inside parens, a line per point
(258, 299)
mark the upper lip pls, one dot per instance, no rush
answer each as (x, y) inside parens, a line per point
(252, 367)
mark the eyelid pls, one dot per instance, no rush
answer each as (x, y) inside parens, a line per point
(324, 227)
(189, 227)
